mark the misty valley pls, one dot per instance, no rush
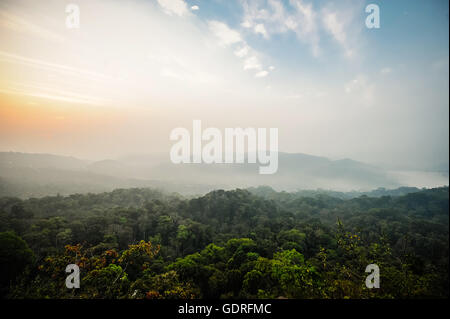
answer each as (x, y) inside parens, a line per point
(35, 175)
(254, 242)
(224, 158)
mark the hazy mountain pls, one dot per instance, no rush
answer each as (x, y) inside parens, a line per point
(295, 171)
(29, 160)
(36, 175)
(26, 175)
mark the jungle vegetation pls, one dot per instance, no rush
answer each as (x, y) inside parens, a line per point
(254, 243)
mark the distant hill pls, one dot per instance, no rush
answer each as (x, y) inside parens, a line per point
(29, 160)
(36, 175)
(295, 171)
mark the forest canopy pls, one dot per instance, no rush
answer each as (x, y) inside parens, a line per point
(254, 243)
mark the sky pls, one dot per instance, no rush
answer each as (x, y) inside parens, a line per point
(134, 70)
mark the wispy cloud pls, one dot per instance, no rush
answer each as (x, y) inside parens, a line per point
(309, 23)
(261, 74)
(65, 73)
(224, 34)
(15, 23)
(51, 67)
(252, 63)
(338, 23)
(276, 18)
(242, 51)
(227, 37)
(50, 93)
(306, 27)
(174, 7)
(259, 28)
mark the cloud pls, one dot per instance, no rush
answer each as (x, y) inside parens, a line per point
(334, 26)
(261, 74)
(308, 23)
(50, 67)
(242, 52)
(18, 24)
(246, 24)
(51, 93)
(276, 18)
(174, 7)
(194, 8)
(252, 63)
(229, 37)
(339, 21)
(226, 35)
(259, 28)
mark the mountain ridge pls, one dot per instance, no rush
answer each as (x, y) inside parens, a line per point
(41, 174)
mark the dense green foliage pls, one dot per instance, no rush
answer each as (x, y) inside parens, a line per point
(142, 243)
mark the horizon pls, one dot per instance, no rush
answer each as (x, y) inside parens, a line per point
(155, 170)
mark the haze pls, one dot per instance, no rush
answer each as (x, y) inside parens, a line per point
(134, 71)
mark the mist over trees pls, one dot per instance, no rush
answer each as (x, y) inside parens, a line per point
(36, 175)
